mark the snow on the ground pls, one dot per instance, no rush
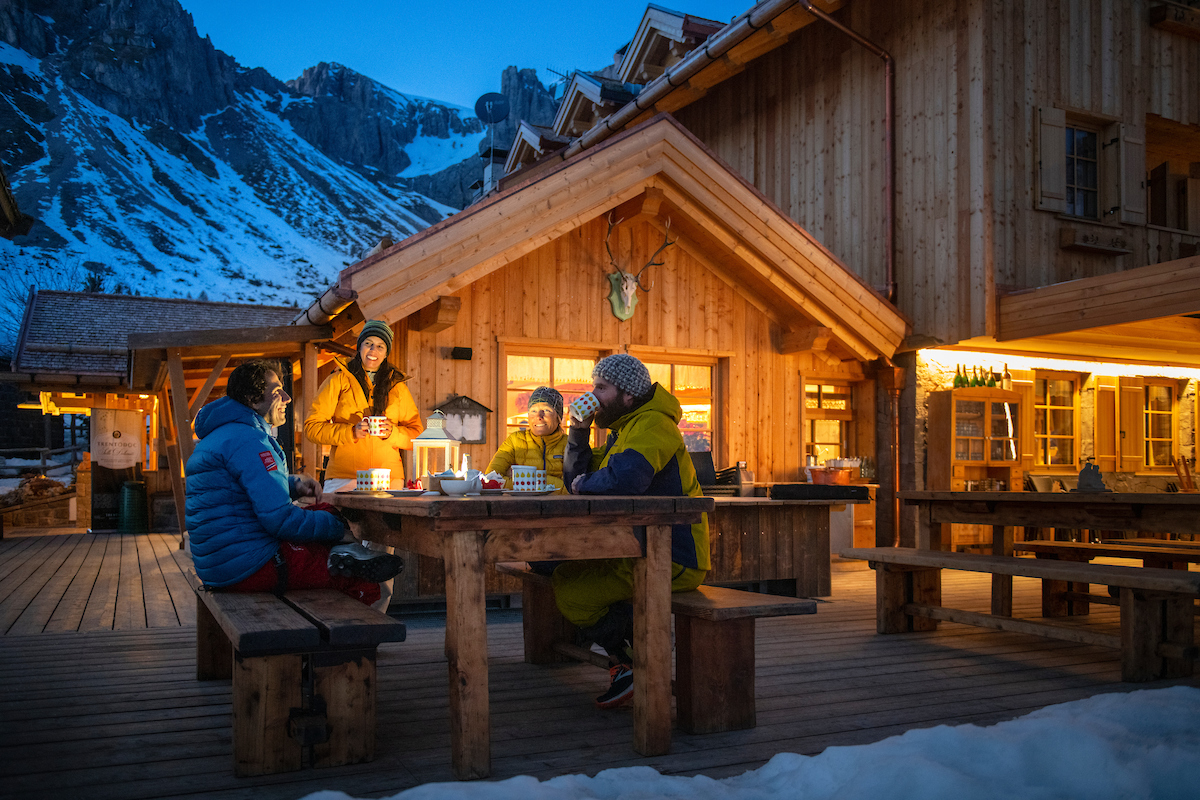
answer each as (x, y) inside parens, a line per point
(1143, 744)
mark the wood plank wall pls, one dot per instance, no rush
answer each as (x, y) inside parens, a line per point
(557, 295)
(804, 123)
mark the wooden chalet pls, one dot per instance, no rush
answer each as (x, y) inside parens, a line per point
(1021, 179)
(734, 313)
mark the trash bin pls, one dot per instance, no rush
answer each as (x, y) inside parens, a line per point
(133, 513)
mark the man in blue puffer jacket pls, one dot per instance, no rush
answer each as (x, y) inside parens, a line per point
(644, 455)
(245, 532)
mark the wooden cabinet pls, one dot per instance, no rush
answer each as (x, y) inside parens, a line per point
(974, 442)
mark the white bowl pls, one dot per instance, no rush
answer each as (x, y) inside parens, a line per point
(459, 486)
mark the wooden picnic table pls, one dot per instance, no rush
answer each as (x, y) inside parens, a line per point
(468, 533)
(1165, 512)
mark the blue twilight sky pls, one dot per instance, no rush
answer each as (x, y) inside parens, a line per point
(453, 50)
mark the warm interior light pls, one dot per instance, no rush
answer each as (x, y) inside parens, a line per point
(948, 359)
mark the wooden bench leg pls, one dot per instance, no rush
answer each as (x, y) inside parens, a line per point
(214, 653)
(265, 689)
(344, 685)
(898, 585)
(1054, 601)
(714, 674)
(542, 623)
(1149, 620)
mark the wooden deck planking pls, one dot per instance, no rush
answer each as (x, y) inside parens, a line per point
(118, 714)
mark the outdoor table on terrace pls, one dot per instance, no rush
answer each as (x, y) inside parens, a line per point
(1165, 512)
(468, 533)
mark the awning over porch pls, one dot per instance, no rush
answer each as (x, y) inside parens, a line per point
(1148, 315)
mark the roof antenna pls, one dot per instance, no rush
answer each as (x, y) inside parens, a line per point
(491, 108)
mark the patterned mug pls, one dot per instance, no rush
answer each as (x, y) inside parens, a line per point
(584, 406)
(524, 478)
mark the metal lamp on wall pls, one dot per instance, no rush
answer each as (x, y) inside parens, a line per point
(435, 450)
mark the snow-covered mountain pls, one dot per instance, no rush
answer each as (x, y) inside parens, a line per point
(154, 164)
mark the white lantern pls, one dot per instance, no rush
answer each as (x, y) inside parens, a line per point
(434, 450)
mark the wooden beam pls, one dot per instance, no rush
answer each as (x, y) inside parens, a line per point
(644, 206)
(179, 406)
(812, 337)
(438, 315)
(202, 393)
(229, 337)
(1159, 290)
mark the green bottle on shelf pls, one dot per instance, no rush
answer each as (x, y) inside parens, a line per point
(991, 378)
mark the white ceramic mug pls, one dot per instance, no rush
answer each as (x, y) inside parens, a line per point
(541, 479)
(375, 425)
(584, 406)
(524, 478)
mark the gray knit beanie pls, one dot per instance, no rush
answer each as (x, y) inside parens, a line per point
(549, 396)
(379, 328)
(624, 372)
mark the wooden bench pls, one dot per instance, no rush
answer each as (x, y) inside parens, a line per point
(1073, 599)
(714, 646)
(1157, 613)
(303, 671)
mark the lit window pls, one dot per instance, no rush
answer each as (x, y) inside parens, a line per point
(828, 411)
(1054, 421)
(1159, 410)
(570, 376)
(692, 386)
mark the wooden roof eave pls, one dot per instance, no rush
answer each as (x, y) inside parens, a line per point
(475, 242)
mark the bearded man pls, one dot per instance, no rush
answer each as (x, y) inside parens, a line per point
(644, 455)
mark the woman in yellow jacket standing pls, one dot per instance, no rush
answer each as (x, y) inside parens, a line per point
(365, 386)
(542, 445)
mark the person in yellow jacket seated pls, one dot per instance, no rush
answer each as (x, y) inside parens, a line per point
(542, 445)
(365, 386)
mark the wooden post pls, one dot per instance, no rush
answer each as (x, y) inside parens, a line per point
(466, 656)
(542, 623)
(652, 644)
(346, 683)
(179, 405)
(722, 652)
(1002, 545)
(214, 653)
(309, 451)
(265, 689)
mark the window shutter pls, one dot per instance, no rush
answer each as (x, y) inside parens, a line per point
(1132, 196)
(1106, 433)
(1052, 160)
(1131, 410)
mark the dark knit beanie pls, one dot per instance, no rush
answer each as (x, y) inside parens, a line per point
(379, 328)
(549, 396)
(624, 372)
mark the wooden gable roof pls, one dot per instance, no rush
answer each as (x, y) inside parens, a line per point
(657, 171)
(531, 143)
(661, 41)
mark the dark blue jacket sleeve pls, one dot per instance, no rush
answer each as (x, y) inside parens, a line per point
(578, 458)
(627, 472)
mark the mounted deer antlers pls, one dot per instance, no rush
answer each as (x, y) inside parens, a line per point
(625, 284)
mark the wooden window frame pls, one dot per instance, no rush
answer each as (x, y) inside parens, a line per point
(533, 347)
(1173, 385)
(714, 361)
(1078, 379)
(1121, 163)
(846, 416)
